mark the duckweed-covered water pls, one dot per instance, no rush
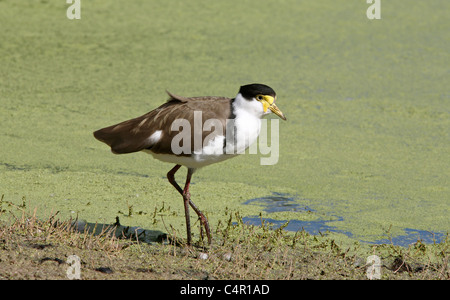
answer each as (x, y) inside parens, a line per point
(365, 152)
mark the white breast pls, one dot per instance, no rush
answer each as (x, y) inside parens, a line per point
(247, 124)
(241, 132)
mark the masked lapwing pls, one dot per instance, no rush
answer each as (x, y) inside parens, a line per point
(195, 132)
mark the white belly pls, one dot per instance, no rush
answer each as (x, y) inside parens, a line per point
(194, 161)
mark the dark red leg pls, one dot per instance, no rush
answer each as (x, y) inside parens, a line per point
(204, 221)
(171, 177)
(187, 201)
(187, 198)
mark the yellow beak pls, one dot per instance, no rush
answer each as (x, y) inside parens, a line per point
(269, 103)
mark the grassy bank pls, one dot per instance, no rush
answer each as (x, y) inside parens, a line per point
(35, 249)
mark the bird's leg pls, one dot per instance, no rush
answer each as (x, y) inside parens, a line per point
(187, 201)
(171, 177)
(201, 216)
(204, 221)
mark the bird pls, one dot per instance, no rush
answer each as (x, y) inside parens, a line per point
(236, 122)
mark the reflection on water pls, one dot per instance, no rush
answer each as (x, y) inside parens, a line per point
(311, 227)
(279, 202)
(412, 236)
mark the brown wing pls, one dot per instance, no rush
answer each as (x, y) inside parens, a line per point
(133, 135)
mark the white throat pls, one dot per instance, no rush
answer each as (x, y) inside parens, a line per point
(242, 106)
(247, 123)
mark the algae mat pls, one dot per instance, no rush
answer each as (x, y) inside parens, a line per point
(366, 147)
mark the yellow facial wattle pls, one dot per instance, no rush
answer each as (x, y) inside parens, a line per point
(268, 102)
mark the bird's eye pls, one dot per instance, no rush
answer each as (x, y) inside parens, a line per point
(259, 97)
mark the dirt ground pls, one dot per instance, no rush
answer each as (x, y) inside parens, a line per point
(34, 249)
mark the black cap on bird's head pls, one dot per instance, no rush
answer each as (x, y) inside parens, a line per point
(250, 91)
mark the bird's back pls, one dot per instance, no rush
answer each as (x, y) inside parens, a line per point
(142, 132)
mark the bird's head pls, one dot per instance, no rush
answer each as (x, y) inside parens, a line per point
(264, 95)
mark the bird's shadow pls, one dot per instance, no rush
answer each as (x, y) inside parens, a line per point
(119, 231)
